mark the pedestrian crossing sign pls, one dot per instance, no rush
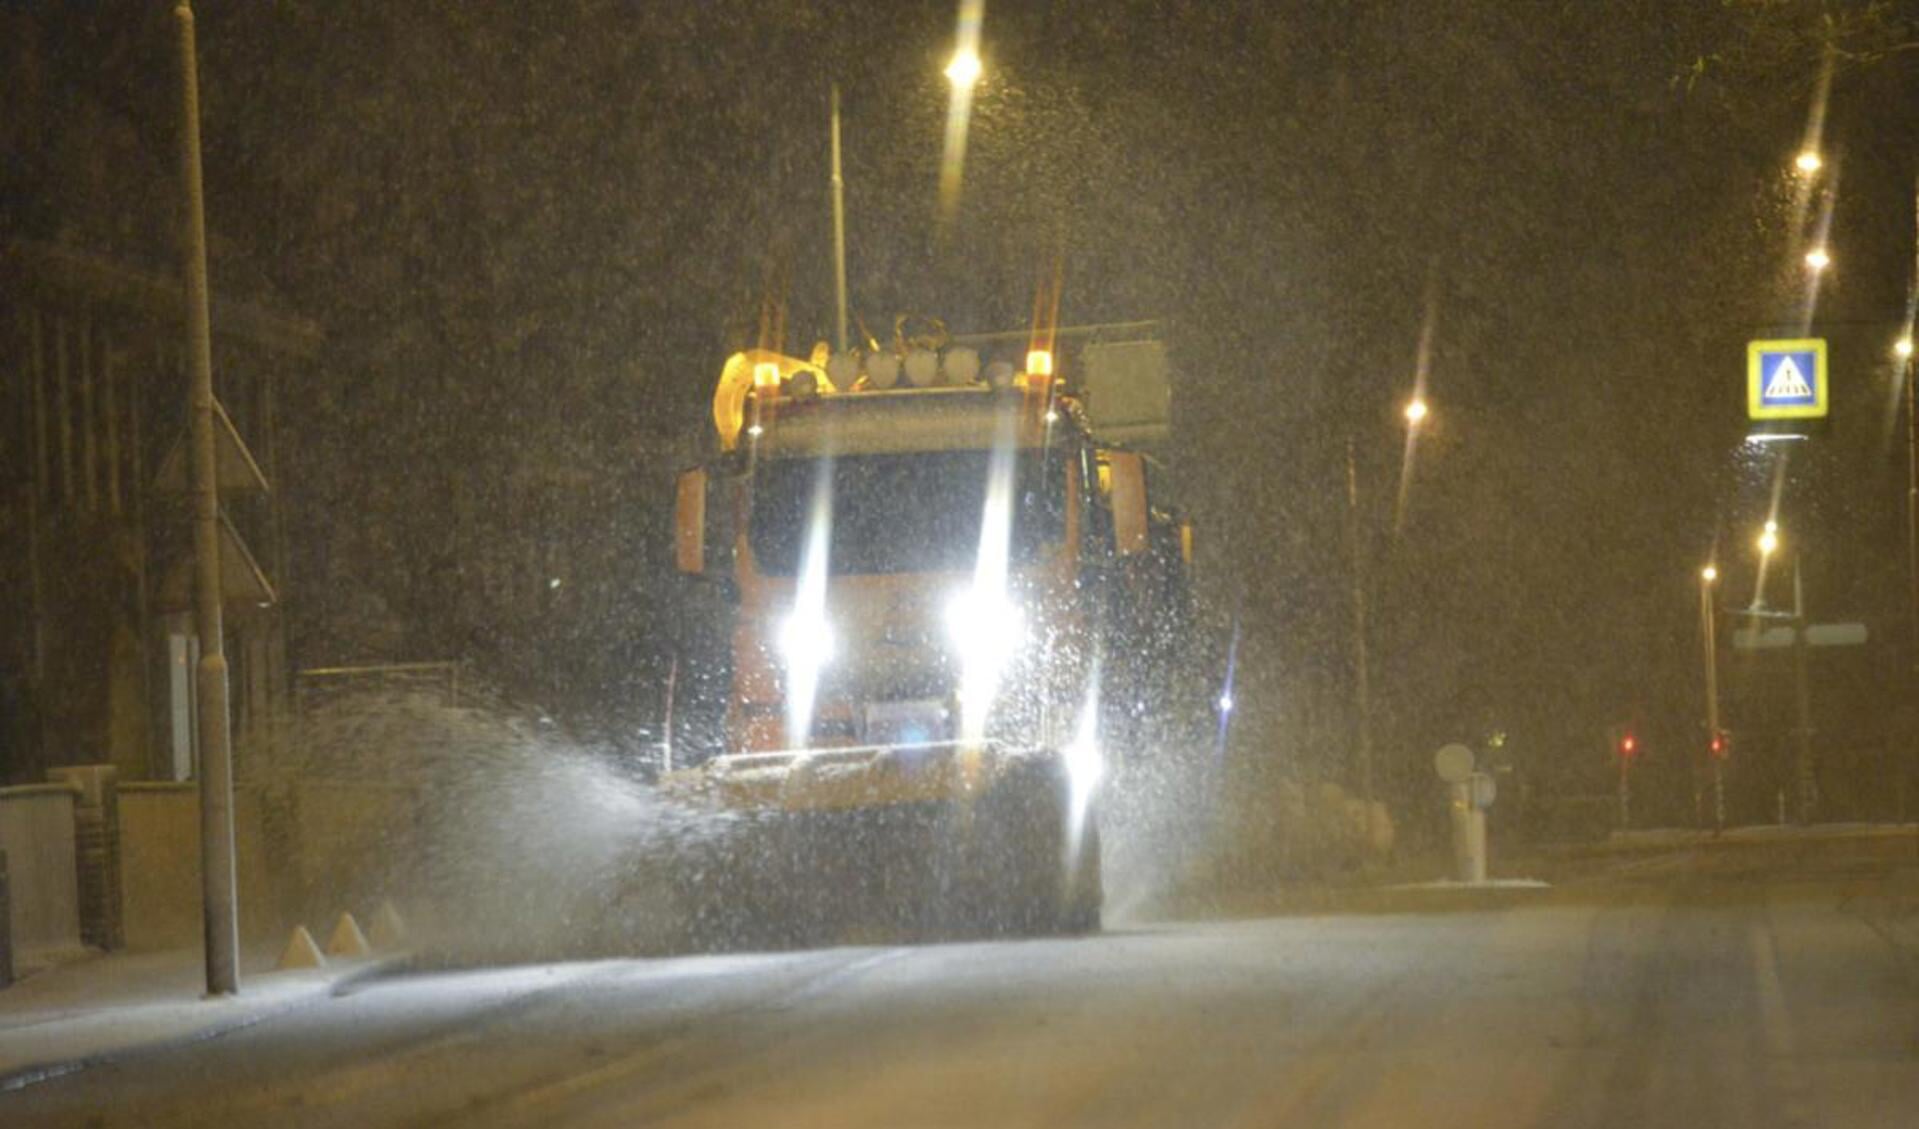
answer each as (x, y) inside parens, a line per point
(1787, 379)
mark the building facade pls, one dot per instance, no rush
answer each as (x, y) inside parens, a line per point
(96, 630)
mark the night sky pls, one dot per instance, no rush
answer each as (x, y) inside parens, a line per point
(531, 232)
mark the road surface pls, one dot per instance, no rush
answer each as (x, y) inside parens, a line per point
(1762, 986)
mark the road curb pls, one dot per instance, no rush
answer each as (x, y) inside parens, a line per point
(33, 1074)
(1307, 901)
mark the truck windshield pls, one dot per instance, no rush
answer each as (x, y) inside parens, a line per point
(913, 512)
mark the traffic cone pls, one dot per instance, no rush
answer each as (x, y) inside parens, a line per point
(300, 952)
(387, 931)
(347, 940)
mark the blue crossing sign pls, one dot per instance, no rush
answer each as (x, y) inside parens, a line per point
(1787, 379)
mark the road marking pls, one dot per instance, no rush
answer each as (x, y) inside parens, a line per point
(640, 1061)
(1791, 1095)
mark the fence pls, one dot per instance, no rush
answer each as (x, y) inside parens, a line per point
(94, 862)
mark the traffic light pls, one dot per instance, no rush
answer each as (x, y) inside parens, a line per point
(1721, 745)
(1628, 746)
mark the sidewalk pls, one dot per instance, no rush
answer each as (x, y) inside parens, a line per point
(84, 1012)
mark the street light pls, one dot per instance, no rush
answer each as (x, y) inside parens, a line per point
(1416, 410)
(965, 68)
(963, 71)
(1709, 574)
(1769, 539)
(1818, 259)
(1902, 348)
(1808, 162)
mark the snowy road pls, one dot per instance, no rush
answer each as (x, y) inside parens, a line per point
(1755, 987)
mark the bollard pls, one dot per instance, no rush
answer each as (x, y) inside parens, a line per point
(301, 952)
(347, 941)
(1469, 835)
(1471, 793)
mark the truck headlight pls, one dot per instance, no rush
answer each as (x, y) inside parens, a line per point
(805, 641)
(986, 628)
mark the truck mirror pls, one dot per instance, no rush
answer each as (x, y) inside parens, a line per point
(1128, 484)
(689, 521)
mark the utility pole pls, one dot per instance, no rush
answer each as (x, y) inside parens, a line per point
(839, 228)
(1362, 686)
(210, 683)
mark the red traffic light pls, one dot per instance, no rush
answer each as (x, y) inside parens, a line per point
(1628, 746)
(1720, 746)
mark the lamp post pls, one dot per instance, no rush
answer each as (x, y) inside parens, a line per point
(1903, 349)
(1805, 778)
(1362, 680)
(217, 881)
(1415, 413)
(963, 72)
(1909, 375)
(1708, 632)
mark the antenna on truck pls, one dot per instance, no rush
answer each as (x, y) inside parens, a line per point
(839, 228)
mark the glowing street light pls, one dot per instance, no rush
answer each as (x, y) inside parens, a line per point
(1808, 162)
(1902, 348)
(965, 68)
(1416, 410)
(1818, 259)
(963, 71)
(1709, 574)
(1769, 539)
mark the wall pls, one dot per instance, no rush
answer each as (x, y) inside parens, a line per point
(36, 832)
(306, 850)
(160, 865)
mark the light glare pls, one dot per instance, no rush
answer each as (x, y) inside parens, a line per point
(965, 68)
(1416, 411)
(1808, 162)
(805, 640)
(1818, 259)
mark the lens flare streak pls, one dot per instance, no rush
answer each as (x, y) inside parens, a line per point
(805, 637)
(982, 666)
(1085, 765)
(963, 73)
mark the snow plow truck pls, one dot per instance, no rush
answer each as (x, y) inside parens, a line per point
(950, 563)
